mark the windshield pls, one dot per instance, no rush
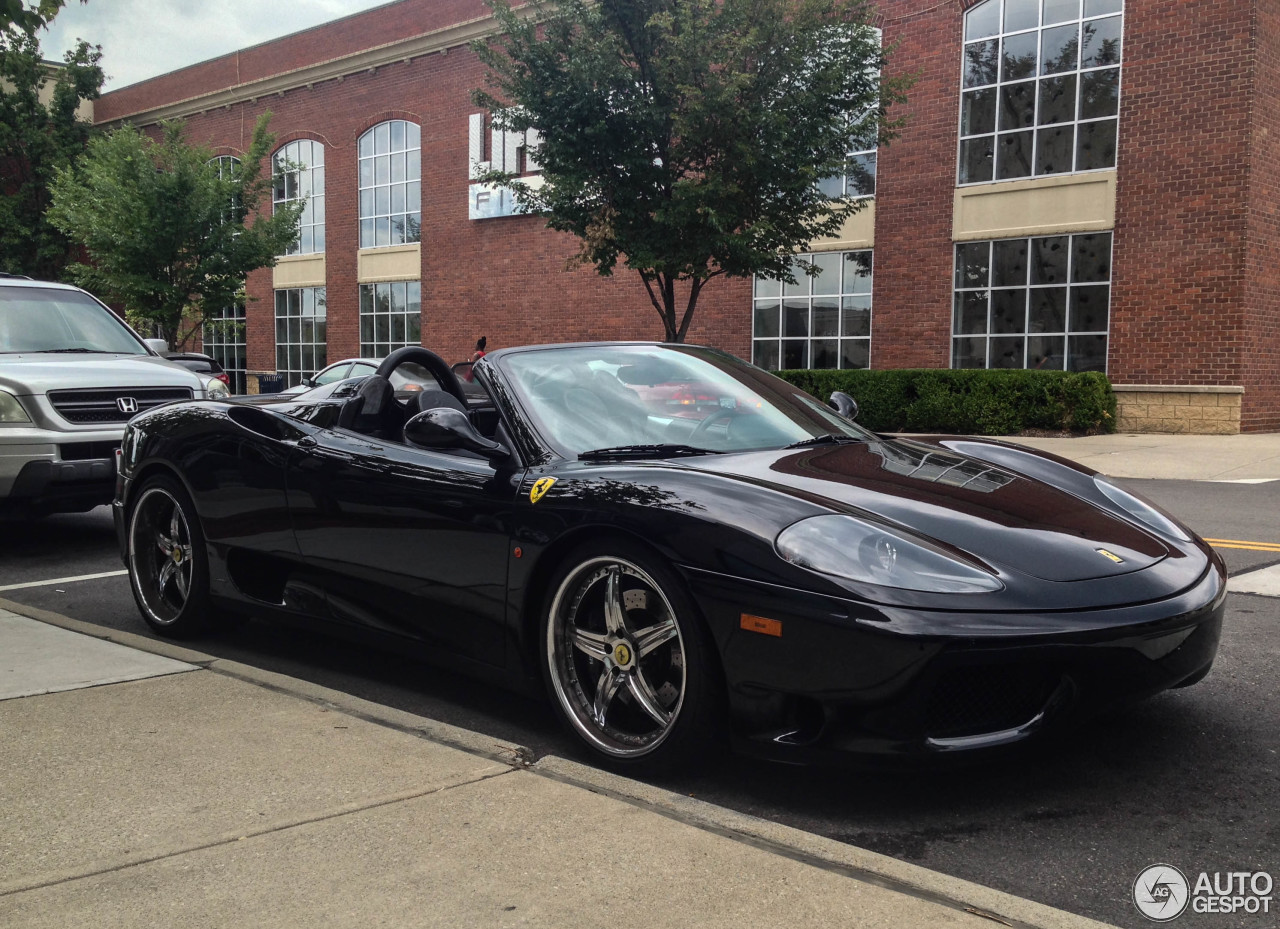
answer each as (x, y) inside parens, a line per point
(589, 398)
(36, 319)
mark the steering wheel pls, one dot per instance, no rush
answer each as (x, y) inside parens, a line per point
(701, 429)
(439, 369)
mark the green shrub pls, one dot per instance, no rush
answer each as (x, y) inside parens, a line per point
(970, 402)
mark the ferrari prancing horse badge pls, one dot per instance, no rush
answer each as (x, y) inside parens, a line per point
(540, 489)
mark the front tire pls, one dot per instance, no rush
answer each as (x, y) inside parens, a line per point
(168, 562)
(627, 660)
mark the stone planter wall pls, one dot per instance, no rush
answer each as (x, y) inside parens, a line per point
(1187, 410)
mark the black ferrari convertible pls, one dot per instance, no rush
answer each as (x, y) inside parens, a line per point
(678, 546)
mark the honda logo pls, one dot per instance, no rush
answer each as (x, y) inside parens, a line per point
(127, 404)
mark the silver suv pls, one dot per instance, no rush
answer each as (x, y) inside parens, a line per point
(71, 375)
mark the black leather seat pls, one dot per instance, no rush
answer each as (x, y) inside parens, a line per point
(373, 411)
(433, 398)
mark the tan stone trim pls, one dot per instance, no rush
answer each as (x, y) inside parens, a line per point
(1176, 389)
(1035, 206)
(390, 263)
(859, 231)
(299, 271)
(438, 40)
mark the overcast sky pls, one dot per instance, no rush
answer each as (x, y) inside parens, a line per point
(143, 38)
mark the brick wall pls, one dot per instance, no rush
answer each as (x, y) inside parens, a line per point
(503, 278)
(911, 315)
(1261, 362)
(1179, 274)
(1196, 238)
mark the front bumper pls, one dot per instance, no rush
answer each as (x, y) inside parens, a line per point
(842, 681)
(47, 471)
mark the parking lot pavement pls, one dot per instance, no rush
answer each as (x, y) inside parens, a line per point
(221, 794)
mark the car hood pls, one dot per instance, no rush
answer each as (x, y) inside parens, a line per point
(34, 373)
(1001, 517)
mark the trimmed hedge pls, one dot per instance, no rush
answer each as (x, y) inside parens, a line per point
(971, 402)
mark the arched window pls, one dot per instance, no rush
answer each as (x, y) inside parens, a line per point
(1040, 88)
(390, 184)
(226, 165)
(298, 169)
(223, 333)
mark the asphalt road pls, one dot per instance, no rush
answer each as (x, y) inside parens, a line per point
(1190, 778)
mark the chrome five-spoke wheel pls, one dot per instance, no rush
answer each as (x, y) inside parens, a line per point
(622, 661)
(166, 556)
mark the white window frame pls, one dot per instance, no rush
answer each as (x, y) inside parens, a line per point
(297, 355)
(390, 317)
(845, 289)
(389, 179)
(305, 181)
(1089, 11)
(224, 340)
(1075, 289)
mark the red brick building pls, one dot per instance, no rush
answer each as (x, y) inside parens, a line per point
(1088, 184)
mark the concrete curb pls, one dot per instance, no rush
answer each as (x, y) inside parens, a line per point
(453, 736)
(860, 864)
(129, 639)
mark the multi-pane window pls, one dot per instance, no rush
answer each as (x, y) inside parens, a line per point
(226, 165)
(224, 342)
(858, 180)
(1041, 88)
(298, 169)
(301, 346)
(390, 317)
(390, 184)
(1033, 303)
(822, 321)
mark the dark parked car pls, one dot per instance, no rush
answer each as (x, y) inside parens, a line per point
(759, 566)
(201, 364)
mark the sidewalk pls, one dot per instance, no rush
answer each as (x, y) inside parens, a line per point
(143, 784)
(1250, 457)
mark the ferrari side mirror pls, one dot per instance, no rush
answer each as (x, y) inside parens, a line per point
(445, 428)
(843, 404)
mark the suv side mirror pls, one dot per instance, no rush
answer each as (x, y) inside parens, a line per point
(445, 428)
(159, 346)
(843, 404)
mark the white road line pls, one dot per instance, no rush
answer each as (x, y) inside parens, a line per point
(63, 580)
(1245, 480)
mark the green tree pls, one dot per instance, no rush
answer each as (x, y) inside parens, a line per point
(39, 134)
(687, 138)
(170, 233)
(26, 16)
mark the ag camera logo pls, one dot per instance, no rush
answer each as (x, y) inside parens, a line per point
(1161, 892)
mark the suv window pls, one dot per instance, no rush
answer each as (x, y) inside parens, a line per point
(37, 319)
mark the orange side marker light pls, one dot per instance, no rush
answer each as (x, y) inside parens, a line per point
(762, 625)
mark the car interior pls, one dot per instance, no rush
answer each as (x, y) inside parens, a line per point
(379, 410)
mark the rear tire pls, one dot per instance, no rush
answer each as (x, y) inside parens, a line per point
(627, 660)
(168, 561)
